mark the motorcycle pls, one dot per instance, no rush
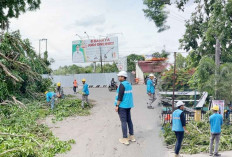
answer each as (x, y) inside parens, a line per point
(113, 87)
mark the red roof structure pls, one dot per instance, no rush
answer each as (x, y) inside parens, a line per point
(153, 66)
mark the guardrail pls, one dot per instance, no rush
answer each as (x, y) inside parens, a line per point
(166, 117)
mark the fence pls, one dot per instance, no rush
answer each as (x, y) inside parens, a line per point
(92, 79)
(166, 117)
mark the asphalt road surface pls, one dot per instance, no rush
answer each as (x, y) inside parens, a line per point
(97, 135)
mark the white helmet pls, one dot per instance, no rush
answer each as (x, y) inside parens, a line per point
(122, 73)
(151, 75)
(180, 103)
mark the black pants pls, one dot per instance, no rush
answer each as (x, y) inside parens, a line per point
(179, 137)
(58, 89)
(74, 89)
(125, 117)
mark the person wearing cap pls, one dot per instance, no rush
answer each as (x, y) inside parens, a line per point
(50, 97)
(216, 121)
(179, 126)
(85, 93)
(124, 103)
(150, 91)
(59, 87)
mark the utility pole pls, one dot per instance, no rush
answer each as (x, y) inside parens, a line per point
(174, 82)
(39, 46)
(46, 40)
(217, 62)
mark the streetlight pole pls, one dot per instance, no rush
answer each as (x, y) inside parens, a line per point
(87, 35)
(46, 44)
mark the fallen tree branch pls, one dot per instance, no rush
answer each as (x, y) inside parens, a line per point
(10, 150)
(196, 128)
(14, 135)
(8, 73)
(6, 102)
(18, 102)
(13, 61)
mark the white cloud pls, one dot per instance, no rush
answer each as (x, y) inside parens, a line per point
(59, 21)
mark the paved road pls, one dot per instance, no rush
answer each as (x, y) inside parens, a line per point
(97, 135)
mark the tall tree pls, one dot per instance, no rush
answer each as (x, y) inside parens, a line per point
(131, 59)
(13, 8)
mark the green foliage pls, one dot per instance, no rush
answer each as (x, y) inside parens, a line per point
(155, 11)
(163, 54)
(205, 79)
(107, 68)
(69, 107)
(20, 66)
(74, 69)
(131, 59)
(198, 139)
(22, 134)
(203, 72)
(13, 8)
(211, 20)
(182, 78)
(180, 61)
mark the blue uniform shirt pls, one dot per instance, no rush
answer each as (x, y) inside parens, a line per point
(150, 86)
(127, 100)
(85, 89)
(176, 121)
(216, 121)
(49, 96)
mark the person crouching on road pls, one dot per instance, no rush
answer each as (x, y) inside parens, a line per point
(50, 97)
(58, 87)
(85, 93)
(179, 126)
(216, 121)
(124, 103)
(150, 91)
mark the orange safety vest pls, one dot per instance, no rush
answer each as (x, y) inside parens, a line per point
(75, 83)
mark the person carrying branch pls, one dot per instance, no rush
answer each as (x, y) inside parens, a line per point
(179, 126)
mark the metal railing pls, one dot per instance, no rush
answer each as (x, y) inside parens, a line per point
(166, 117)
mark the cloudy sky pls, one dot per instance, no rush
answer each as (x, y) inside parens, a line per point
(60, 20)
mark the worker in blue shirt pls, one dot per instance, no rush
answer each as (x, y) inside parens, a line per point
(124, 103)
(50, 97)
(150, 91)
(216, 121)
(85, 93)
(179, 126)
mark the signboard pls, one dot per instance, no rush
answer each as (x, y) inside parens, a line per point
(122, 64)
(91, 50)
(221, 104)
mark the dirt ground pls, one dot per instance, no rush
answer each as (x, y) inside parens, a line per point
(97, 135)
